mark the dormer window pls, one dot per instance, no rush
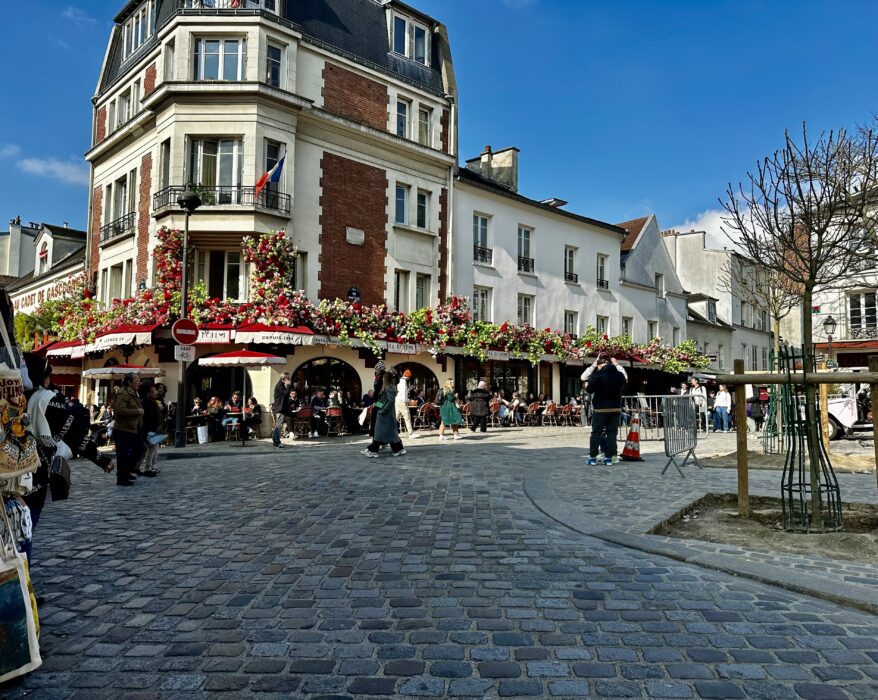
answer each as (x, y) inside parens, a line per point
(43, 258)
(411, 39)
(138, 28)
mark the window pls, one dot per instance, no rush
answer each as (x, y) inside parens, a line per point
(652, 330)
(525, 260)
(675, 336)
(411, 39)
(425, 126)
(169, 60)
(401, 290)
(525, 309)
(602, 323)
(402, 204)
(745, 314)
(627, 325)
(272, 65)
(105, 290)
(863, 314)
(602, 271)
(571, 322)
(165, 164)
(711, 311)
(123, 112)
(223, 273)
(116, 272)
(570, 265)
(764, 359)
(706, 350)
(659, 285)
(481, 304)
(481, 252)
(43, 258)
(138, 28)
(111, 122)
(719, 356)
(273, 153)
(127, 291)
(217, 164)
(220, 59)
(744, 355)
(135, 99)
(422, 291)
(754, 357)
(423, 213)
(402, 118)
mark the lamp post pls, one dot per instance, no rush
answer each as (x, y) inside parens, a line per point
(829, 326)
(189, 202)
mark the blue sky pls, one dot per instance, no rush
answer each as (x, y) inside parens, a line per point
(622, 107)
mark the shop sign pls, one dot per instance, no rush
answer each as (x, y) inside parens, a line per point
(271, 337)
(210, 335)
(499, 355)
(402, 348)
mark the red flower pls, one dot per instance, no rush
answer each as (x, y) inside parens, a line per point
(588, 343)
(504, 327)
(606, 337)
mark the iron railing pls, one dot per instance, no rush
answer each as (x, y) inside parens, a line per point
(483, 255)
(650, 409)
(525, 264)
(120, 227)
(571, 277)
(225, 196)
(864, 333)
(604, 284)
(275, 6)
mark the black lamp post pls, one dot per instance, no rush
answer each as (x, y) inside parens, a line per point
(829, 326)
(189, 202)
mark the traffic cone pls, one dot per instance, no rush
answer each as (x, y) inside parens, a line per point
(631, 453)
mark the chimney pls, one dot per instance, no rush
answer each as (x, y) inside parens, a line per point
(501, 167)
(65, 224)
(486, 161)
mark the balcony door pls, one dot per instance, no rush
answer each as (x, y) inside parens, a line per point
(215, 166)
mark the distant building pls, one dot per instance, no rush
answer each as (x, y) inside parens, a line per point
(16, 248)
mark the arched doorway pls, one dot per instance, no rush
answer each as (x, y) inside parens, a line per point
(422, 379)
(207, 382)
(327, 373)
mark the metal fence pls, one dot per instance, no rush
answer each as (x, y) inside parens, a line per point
(680, 418)
(651, 412)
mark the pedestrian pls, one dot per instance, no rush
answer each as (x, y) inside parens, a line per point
(606, 380)
(757, 413)
(386, 426)
(128, 422)
(401, 406)
(721, 406)
(377, 383)
(699, 398)
(280, 407)
(448, 410)
(479, 399)
(149, 429)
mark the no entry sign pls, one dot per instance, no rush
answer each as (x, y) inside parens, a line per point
(184, 331)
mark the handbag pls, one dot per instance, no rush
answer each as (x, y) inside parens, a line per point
(19, 622)
(59, 479)
(156, 438)
(18, 448)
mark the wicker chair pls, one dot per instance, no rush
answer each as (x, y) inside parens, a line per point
(532, 416)
(335, 422)
(424, 417)
(466, 415)
(550, 415)
(302, 422)
(494, 414)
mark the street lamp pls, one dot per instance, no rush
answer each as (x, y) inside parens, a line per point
(829, 326)
(189, 202)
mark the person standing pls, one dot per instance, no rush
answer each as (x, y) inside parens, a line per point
(280, 407)
(448, 411)
(605, 384)
(386, 426)
(479, 399)
(149, 428)
(127, 428)
(401, 405)
(699, 398)
(721, 407)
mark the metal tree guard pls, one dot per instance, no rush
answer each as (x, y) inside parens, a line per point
(796, 486)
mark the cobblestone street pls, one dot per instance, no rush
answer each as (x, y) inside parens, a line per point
(313, 571)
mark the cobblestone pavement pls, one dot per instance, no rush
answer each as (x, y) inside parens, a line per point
(314, 572)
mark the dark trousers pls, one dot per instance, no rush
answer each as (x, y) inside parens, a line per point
(376, 446)
(604, 425)
(278, 424)
(35, 502)
(480, 422)
(129, 449)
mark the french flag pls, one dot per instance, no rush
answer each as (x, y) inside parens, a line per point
(272, 175)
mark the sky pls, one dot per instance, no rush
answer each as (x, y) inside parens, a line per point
(622, 107)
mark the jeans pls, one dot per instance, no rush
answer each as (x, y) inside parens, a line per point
(604, 424)
(278, 424)
(721, 414)
(129, 448)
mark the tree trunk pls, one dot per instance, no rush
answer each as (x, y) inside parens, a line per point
(811, 418)
(778, 392)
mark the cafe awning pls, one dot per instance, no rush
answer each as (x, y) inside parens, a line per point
(264, 334)
(122, 335)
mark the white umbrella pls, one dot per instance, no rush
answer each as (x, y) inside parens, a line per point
(119, 371)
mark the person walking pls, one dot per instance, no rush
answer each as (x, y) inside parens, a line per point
(721, 407)
(280, 407)
(448, 410)
(377, 384)
(149, 427)
(605, 384)
(126, 429)
(479, 399)
(386, 426)
(401, 406)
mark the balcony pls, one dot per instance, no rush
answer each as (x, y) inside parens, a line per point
(226, 196)
(571, 277)
(123, 226)
(273, 6)
(483, 255)
(864, 333)
(525, 264)
(603, 284)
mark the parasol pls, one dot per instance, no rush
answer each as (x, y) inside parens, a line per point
(119, 371)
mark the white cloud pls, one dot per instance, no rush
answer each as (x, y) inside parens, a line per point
(78, 16)
(71, 172)
(712, 222)
(9, 150)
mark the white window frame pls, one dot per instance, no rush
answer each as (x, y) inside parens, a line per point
(569, 260)
(864, 320)
(409, 29)
(423, 284)
(237, 154)
(401, 281)
(269, 62)
(525, 309)
(138, 29)
(602, 325)
(660, 285)
(198, 58)
(202, 273)
(406, 192)
(571, 322)
(425, 126)
(627, 326)
(601, 267)
(524, 241)
(711, 310)
(481, 233)
(403, 117)
(422, 211)
(652, 330)
(482, 304)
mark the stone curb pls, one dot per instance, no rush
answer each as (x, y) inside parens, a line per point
(540, 492)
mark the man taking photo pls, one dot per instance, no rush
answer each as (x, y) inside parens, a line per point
(606, 380)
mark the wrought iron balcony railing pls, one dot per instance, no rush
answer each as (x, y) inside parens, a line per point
(571, 277)
(483, 255)
(275, 6)
(122, 226)
(525, 264)
(225, 196)
(604, 284)
(864, 333)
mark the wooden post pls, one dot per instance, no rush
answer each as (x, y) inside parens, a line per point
(823, 391)
(873, 367)
(741, 436)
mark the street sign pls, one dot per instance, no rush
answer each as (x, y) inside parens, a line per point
(184, 331)
(184, 353)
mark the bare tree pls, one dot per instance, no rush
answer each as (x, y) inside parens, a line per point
(804, 213)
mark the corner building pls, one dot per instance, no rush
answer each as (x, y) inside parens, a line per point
(358, 96)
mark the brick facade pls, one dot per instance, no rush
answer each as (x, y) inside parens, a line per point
(353, 195)
(443, 244)
(149, 80)
(143, 219)
(355, 97)
(443, 124)
(97, 217)
(101, 125)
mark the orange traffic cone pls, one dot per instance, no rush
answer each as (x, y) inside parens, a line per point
(631, 453)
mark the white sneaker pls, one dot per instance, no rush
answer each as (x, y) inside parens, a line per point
(457, 436)
(371, 455)
(414, 436)
(365, 452)
(443, 437)
(398, 454)
(315, 434)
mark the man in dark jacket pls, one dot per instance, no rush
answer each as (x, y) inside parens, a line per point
(128, 413)
(605, 384)
(280, 407)
(479, 399)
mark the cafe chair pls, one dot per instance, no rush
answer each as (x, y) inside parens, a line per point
(335, 423)
(550, 415)
(302, 422)
(532, 417)
(423, 418)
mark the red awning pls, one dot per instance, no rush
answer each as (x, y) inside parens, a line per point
(128, 334)
(264, 334)
(849, 345)
(66, 348)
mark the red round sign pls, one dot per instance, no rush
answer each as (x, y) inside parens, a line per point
(184, 331)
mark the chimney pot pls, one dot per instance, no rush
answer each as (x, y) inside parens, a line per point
(488, 148)
(65, 224)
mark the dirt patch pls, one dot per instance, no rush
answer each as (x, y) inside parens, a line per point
(714, 518)
(841, 461)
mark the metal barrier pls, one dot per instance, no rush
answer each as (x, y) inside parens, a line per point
(651, 411)
(680, 425)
